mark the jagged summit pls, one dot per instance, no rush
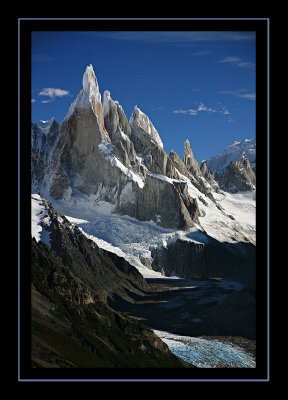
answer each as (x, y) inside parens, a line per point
(89, 96)
(140, 120)
(89, 81)
(238, 176)
(232, 152)
(96, 152)
(189, 158)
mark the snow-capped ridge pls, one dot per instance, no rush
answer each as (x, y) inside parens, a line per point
(233, 152)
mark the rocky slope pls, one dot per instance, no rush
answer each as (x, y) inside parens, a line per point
(104, 272)
(72, 324)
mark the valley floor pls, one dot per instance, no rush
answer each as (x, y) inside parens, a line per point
(189, 315)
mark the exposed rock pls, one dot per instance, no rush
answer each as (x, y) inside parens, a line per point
(104, 272)
(233, 152)
(143, 127)
(189, 159)
(97, 152)
(119, 131)
(238, 176)
(207, 260)
(161, 202)
(210, 177)
(72, 327)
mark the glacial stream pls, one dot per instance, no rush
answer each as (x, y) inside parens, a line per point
(205, 353)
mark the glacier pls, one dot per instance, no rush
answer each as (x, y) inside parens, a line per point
(204, 353)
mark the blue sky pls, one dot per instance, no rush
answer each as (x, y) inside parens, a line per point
(192, 85)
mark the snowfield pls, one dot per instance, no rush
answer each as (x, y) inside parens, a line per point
(134, 239)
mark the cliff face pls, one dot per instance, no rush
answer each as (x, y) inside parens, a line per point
(210, 260)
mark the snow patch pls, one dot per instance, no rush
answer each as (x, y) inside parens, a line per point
(39, 220)
(126, 171)
(106, 148)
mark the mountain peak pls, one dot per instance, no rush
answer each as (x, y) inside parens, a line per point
(90, 84)
(89, 96)
(139, 119)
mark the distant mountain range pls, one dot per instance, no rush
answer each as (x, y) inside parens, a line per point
(233, 152)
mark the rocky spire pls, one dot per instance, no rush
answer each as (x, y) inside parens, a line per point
(140, 120)
(114, 117)
(189, 159)
(89, 96)
(238, 176)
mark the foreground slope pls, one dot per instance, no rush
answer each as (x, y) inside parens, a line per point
(72, 325)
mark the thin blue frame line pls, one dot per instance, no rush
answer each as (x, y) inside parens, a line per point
(18, 199)
(145, 380)
(147, 19)
(268, 204)
(268, 197)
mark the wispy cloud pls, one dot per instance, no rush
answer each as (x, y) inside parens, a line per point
(52, 93)
(219, 109)
(190, 111)
(236, 61)
(249, 96)
(241, 94)
(33, 100)
(176, 36)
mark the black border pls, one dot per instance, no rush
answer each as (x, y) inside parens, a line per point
(25, 27)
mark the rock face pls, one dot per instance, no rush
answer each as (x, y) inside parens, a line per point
(189, 159)
(96, 151)
(238, 176)
(104, 272)
(209, 260)
(73, 328)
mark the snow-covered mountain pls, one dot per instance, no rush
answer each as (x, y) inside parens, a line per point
(233, 152)
(112, 178)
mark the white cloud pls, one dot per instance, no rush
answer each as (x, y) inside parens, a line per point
(53, 92)
(229, 60)
(237, 61)
(249, 96)
(220, 109)
(201, 107)
(190, 112)
(33, 100)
